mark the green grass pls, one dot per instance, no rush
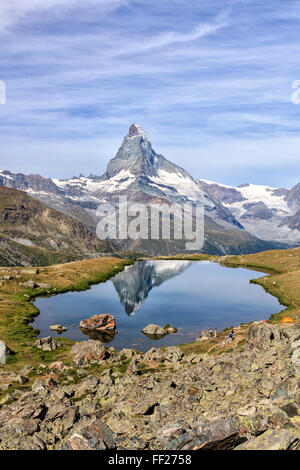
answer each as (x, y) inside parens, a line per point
(17, 311)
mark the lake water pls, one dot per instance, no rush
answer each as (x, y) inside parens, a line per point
(189, 295)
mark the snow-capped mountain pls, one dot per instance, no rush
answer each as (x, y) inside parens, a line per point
(266, 212)
(136, 167)
(143, 175)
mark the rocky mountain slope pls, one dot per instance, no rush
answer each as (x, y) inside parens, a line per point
(141, 174)
(215, 393)
(268, 213)
(34, 234)
(244, 399)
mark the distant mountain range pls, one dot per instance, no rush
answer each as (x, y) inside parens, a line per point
(237, 220)
(268, 213)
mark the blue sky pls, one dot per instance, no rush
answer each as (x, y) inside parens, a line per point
(210, 81)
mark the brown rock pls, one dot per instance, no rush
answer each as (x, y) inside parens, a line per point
(103, 322)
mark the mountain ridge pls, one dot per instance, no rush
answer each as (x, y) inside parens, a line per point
(266, 212)
(31, 233)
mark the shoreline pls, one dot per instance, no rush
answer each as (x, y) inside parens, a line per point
(26, 311)
(20, 311)
(243, 390)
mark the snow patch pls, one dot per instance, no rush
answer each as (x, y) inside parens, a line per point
(184, 186)
(118, 182)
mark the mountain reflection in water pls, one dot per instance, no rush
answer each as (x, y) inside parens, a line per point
(134, 284)
(196, 295)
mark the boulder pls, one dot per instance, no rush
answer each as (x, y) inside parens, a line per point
(193, 358)
(154, 330)
(282, 439)
(261, 336)
(88, 385)
(255, 420)
(58, 328)
(222, 434)
(127, 353)
(170, 329)
(133, 368)
(173, 354)
(86, 351)
(145, 407)
(296, 357)
(44, 285)
(4, 352)
(31, 284)
(292, 333)
(103, 322)
(96, 436)
(154, 354)
(58, 365)
(46, 344)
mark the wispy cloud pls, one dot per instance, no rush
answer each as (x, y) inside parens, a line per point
(172, 37)
(212, 90)
(14, 11)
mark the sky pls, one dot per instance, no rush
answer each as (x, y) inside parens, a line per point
(210, 82)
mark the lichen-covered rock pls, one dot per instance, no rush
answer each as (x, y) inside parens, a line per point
(146, 407)
(282, 439)
(296, 356)
(154, 354)
(173, 354)
(88, 385)
(260, 419)
(103, 322)
(292, 333)
(261, 336)
(85, 351)
(163, 401)
(96, 436)
(218, 435)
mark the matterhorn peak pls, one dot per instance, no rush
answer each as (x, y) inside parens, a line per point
(136, 131)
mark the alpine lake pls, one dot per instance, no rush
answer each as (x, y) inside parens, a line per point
(188, 295)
